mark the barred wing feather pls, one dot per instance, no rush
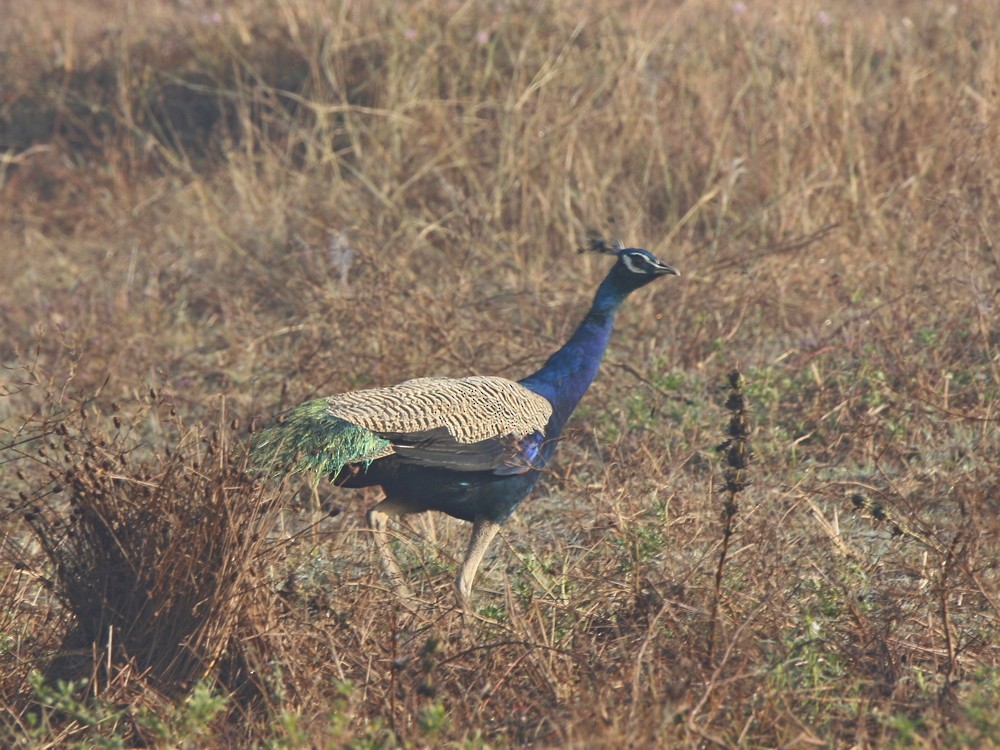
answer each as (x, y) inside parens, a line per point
(465, 424)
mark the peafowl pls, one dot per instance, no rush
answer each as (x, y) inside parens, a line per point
(469, 447)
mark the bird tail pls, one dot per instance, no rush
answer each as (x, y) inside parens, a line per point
(311, 440)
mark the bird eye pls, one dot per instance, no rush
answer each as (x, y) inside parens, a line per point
(636, 263)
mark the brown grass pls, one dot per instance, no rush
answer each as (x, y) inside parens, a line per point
(253, 206)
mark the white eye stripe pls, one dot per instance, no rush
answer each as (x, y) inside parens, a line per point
(635, 263)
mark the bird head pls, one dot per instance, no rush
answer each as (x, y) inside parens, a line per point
(636, 267)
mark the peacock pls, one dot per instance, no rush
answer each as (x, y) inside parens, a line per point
(471, 447)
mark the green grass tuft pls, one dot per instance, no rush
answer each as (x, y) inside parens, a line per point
(310, 440)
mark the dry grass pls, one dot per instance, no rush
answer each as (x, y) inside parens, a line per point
(256, 206)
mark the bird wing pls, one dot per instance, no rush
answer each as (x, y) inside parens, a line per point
(464, 424)
(502, 455)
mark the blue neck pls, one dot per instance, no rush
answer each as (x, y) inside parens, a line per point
(568, 373)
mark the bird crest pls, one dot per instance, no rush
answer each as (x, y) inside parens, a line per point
(598, 243)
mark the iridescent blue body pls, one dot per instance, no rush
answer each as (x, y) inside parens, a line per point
(461, 494)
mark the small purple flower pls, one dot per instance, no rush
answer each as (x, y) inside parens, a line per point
(410, 33)
(823, 19)
(739, 8)
(483, 38)
(210, 19)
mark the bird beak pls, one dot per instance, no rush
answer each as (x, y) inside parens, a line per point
(665, 270)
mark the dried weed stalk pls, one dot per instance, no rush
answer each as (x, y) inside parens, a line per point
(737, 454)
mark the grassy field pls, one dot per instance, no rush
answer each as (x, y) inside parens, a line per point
(211, 211)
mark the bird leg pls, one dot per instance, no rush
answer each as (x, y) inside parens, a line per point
(378, 518)
(483, 531)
